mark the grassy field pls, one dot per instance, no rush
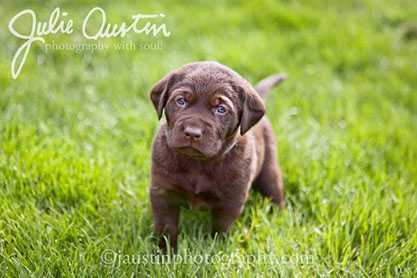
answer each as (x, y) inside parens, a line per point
(76, 130)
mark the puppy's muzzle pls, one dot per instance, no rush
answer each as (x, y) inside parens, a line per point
(194, 136)
(193, 130)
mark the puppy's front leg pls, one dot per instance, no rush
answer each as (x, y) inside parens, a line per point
(165, 217)
(223, 217)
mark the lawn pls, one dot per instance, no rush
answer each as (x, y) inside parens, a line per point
(76, 130)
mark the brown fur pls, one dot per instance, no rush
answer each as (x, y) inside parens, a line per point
(207, 159)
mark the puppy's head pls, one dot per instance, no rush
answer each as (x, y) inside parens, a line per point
(205, 104)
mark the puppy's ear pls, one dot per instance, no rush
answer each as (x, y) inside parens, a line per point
(160, 91)
(253, 108)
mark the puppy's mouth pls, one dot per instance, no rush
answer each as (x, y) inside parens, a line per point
(192, 152)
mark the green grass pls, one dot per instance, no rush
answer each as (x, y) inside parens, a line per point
(76, 129)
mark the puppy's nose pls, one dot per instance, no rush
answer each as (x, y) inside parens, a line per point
(193, 133)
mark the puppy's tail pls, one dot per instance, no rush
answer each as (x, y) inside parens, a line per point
(265, 85)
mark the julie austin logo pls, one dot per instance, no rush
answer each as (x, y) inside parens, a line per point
(60, 23)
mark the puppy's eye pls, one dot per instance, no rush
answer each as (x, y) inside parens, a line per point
(221, 109)
(181, 101)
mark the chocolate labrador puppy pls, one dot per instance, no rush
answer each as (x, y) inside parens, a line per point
(214, 144)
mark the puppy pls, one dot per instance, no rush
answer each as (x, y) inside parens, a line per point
(214, 144)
